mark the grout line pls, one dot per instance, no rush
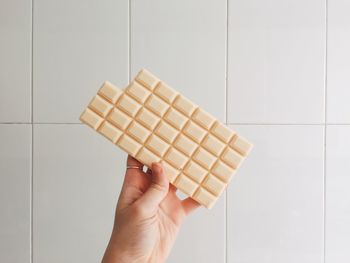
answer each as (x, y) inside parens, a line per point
(48, 123)
(32, 137)
(15, 123)
(325, 131)
(324, 189)
(226, 67)
(278, 124)
(32, 63)
(337, 124)
(32, 194)
(226, 121)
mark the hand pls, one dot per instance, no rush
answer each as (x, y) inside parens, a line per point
(148, 217)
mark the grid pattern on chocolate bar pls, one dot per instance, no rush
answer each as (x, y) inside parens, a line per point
(153, 122)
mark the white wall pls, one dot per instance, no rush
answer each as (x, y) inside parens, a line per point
(277, 71)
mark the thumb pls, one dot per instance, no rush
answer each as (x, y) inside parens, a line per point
(157, 190)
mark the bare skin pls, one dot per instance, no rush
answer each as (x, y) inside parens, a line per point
(148, 217)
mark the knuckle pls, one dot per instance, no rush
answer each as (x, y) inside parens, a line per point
(159, 187)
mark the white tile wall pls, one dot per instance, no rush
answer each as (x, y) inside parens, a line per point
(276, 61)
(77, 45)
(337, 194)
(277, 67)
(183, 38)
(15, 60)
(77, 178)
(275, 205)
(202, 237)
(338, 77)
(15, 173)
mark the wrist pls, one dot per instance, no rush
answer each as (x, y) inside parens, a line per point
(114, 256)
(115, 253)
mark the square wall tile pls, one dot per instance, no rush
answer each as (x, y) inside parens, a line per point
(15, 178)
(77, 46)
(275, 202)
(338, 194)
(77, 178)
(276, 61)
(338, 66)
(183, 43)
(15, 60)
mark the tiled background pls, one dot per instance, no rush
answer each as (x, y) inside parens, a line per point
(277, 71)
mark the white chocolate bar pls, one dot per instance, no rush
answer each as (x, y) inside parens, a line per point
(152, 122)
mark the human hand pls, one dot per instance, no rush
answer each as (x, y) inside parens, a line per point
(148, 216)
